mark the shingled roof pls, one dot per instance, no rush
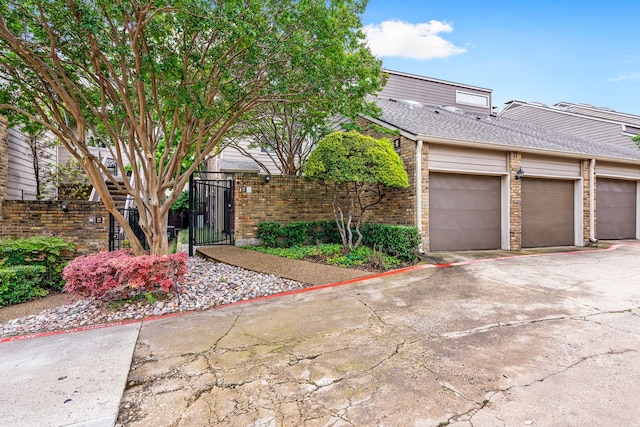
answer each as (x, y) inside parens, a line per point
(440, 123)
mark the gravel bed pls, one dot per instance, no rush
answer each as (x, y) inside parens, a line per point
(207, 284)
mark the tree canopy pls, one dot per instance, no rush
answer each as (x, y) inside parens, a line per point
(288, 132)
(157, 81)
(357, 169)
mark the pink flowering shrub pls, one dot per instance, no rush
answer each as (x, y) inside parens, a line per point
(108, 273)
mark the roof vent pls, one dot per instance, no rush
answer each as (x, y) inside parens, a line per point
(453, 109)
(410, 103)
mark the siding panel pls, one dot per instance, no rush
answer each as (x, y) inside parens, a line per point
(584, 127)
(231, 153)
(550, 166)
(21, 183)
(619, 170)
(466, 160)
(431, 92)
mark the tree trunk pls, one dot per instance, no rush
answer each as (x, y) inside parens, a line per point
(159, 244)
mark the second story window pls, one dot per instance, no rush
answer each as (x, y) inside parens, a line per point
(474, 99)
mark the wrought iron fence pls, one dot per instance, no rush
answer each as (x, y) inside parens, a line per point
(211, 220)
(117, 237)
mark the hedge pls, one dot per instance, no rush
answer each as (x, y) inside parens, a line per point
(47, 252)
(397, 240)
(21, 283)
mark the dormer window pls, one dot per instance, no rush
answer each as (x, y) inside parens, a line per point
(474, 99)
(630, 130)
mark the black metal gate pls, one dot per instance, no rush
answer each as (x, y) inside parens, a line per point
(211, 219)
(117, 238)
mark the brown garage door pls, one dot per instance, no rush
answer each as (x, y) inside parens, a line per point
(547, 212)
(615, 209)
(464, 212)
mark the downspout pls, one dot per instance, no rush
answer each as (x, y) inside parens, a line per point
(592, 197)
(419, 192)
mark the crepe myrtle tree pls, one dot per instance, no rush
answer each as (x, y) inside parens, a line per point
(156, 82)
(357, 170)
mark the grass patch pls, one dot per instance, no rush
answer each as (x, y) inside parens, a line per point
(328, 253)
(300, 252)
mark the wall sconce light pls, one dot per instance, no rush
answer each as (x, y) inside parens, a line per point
(64, 206)
(519, 174)
(267, 178)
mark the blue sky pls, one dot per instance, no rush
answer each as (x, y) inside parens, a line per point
(544, 51)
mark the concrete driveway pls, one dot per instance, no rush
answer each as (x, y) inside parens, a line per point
(548, 340)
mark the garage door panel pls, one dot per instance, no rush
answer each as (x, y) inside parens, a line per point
(547, 213)
(615, 209)
(460, 240)
(451, 221)
(464, 212)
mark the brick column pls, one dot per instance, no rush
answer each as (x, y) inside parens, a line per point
(425, 197)
(4, 160)
(586, 200)
(515, 203)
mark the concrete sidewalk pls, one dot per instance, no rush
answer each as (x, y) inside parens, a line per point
(301, 271)
(66, 379)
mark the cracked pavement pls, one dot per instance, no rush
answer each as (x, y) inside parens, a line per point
(543, 340)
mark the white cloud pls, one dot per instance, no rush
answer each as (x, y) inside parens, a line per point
(415, 41)
(626, 77)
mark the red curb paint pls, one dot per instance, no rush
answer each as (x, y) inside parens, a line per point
(309, 289)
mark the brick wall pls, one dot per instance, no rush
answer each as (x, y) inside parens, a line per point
(398, 207)
(86, 224)
(4, 159)
(282, 200)
(290, 198)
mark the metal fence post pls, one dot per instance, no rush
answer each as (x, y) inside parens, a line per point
(191, 215)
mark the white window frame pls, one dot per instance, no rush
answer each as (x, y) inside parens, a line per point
(460, 99)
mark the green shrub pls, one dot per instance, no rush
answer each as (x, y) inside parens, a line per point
(269, 234)
(181, 204)
(397, 240)
(295, 233)
(323, 231)
(21, 283)
(38, 250)
(362, 255)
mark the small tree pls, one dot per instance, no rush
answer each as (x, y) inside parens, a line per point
(287, 132)
(357, 170)
(158, 82)
(636, 139)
